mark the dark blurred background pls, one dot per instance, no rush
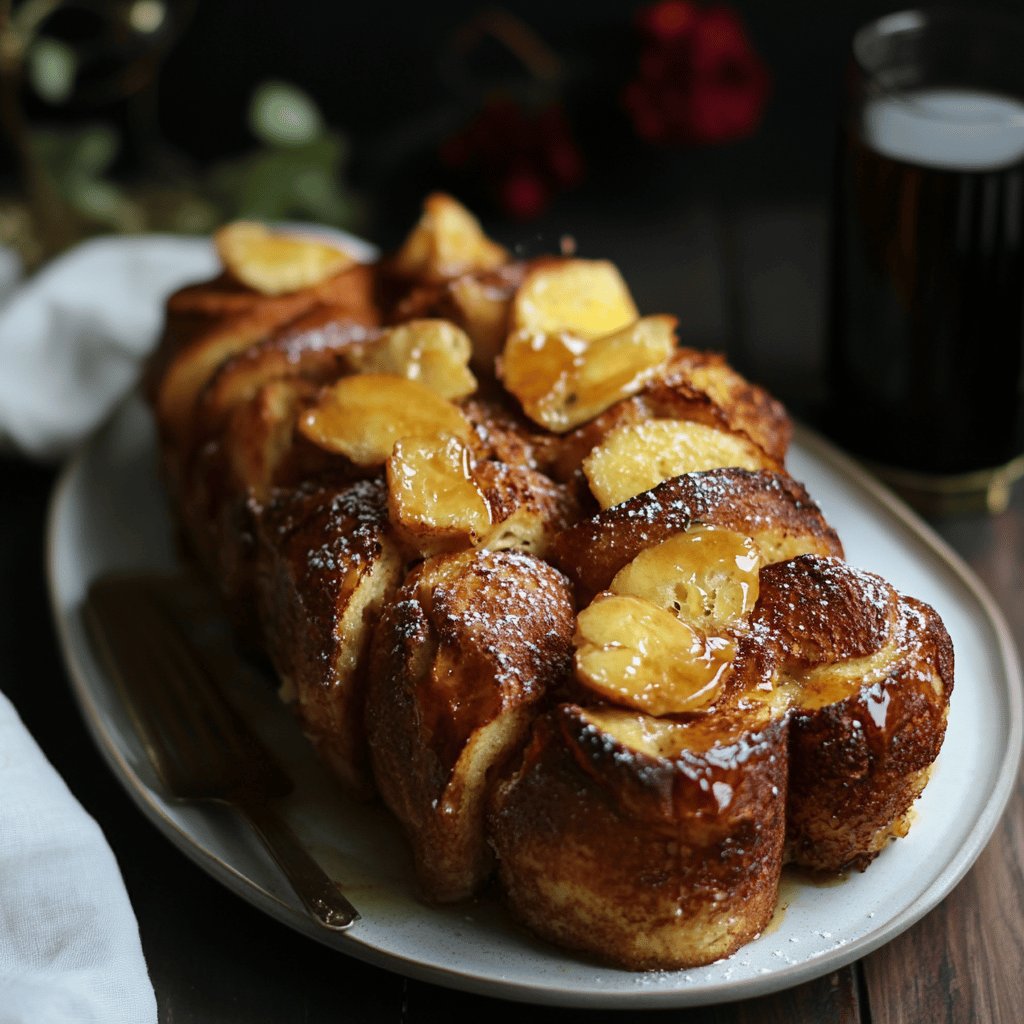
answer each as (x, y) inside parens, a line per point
(397, 80)
(691, 143)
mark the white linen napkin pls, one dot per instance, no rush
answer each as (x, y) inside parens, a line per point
(69, 943)
(72, 338)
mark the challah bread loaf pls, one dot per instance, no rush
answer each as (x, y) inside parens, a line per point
(539, 577)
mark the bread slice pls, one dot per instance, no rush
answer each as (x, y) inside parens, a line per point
(697, 387)
(644, 842)
(469, 646)
(327, 568)
(208, 324)
(312, 347)
(870, 675)
(771, 508)
(745, 406)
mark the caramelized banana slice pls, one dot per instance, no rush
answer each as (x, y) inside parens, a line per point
(363, 416)
(434, 502)
(273, 263)
(434, 352)
(709, 576)
(447, 241)
(441, 500)
(632, 652)
(537, 370)
(636, 457)
(586, 298)
(562, 380)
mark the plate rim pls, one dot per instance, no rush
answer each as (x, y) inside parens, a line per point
(544, 992)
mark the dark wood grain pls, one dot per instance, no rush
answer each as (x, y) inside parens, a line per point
(965, 961)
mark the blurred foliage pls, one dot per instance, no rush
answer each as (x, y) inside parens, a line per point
(51, 69)
(73, 178)
(295, 173)
(78, 162)
(298, 171)
(521, 123)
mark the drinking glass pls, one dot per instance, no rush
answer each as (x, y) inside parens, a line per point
(927, 292)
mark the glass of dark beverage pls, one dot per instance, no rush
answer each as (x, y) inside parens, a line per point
(926, 377)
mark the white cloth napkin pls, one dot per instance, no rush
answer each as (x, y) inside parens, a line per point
(73, 336)
(69, 944)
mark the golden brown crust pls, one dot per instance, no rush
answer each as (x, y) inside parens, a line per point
(203, 307)
(327, 569)
(250, 404)
(470, 645)
(773, 509)
(223, 298)
(565, 455)
(528, 510)
(209, 323)
(858, 765)
(312, 347)
(870, 674)
(229, 479)
(694, 386)
(821, 610)
(746, 407)
(502, 434)
(646, 862)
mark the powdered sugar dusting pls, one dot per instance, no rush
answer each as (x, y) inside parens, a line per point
(512, 609)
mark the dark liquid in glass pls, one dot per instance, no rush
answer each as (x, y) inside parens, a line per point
(927, 308)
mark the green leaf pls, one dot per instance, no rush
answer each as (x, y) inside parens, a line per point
(147, 16)
(52, 66)
(105, 203)
(95, 151)
(299, 183)
(281, 114)
(74, 154)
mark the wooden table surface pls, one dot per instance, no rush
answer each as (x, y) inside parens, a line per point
(214, 959)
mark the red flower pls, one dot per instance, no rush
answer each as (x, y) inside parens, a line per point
(523, 194)
(699, 79)
(669, 20)
(524, 156)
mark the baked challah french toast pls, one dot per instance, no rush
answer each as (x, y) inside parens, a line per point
(538, 577)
